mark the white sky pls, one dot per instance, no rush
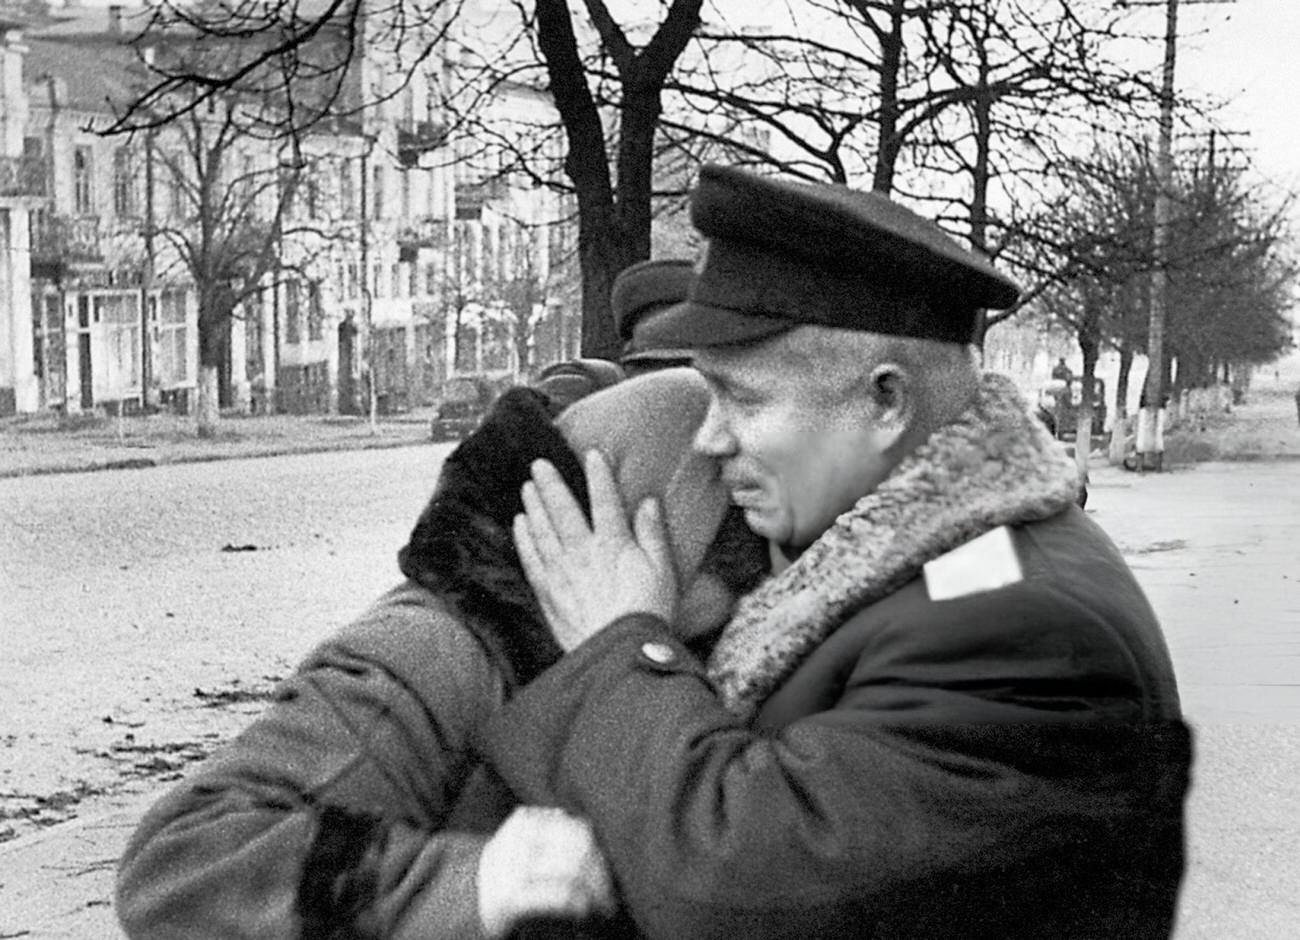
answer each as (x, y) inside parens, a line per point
(1248, 54)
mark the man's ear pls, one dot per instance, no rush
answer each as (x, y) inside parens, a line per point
(892, 394)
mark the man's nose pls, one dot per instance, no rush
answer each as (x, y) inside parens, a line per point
(714, 438)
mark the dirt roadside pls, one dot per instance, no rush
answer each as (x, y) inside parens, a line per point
(38, 444)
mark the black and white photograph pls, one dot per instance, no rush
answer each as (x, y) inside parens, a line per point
(677, 470)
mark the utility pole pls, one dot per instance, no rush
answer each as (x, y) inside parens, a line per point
(148, 316)
(1151, 415)
(367, 299)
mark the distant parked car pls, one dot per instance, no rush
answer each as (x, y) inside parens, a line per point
(1058, 406)
(464, 401)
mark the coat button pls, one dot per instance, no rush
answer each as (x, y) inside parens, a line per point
(660, 653)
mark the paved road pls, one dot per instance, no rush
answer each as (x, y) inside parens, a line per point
(1215, 547)
(119, 601)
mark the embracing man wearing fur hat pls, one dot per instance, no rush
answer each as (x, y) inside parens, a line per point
(949, 710)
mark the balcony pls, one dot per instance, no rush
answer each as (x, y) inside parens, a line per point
(427, 232)
(471, 197)
(22, 177)
(60, 242)
(418, 137)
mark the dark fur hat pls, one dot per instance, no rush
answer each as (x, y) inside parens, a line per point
(461, 547)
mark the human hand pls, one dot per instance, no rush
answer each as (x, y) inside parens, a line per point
(541, 862)
(586, 577)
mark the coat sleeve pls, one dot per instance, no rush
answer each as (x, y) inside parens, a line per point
(323, 818)
(852, 820)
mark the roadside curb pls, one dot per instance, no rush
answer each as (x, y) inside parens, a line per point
(145, 463)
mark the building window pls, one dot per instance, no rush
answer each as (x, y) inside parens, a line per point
(312, 184)
(124, 201)
(176, 198)
(315, 314)
(377, 194)
(431, 207)
(120, 316)
(248, 183)
(347, 190)
(406, 195)
(292, 314)
(288, 193)
(37, 169)
(254, 336)
(354, 282)
(83, 190)
(377, 281)
(173, 339)
(41, 236)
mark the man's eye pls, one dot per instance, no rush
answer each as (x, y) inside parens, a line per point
(743, 399)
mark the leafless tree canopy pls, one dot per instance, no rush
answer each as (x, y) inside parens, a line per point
(972, 109)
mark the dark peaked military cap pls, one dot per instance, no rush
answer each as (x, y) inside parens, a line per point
(782, 254)
(640, 293)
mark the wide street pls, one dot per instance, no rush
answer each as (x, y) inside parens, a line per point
(130, 598)
(125, 593)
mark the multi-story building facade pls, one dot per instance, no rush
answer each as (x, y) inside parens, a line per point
(22, 188)
(402, 261)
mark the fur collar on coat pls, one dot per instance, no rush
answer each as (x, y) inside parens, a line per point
(462, 548)
(995, 465)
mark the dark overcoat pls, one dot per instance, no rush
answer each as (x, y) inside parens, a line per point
(998, 759)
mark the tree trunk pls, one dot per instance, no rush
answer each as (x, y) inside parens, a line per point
(216, 303)
(1122, 380)
(1119, 421)
(891, 63)
(1090, 345)
(522, 337)
(981, 173)
(208, 407)
(613, 227)
(603, 252)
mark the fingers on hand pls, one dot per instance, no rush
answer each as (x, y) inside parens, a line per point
(557, 502)
(652, 535)
(545, 541)
(608, 516)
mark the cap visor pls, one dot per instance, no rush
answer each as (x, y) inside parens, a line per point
(655, 355)
(697, 326)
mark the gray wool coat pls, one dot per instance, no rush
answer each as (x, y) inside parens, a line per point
(358, 804)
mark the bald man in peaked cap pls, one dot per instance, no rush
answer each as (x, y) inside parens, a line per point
(947, 712)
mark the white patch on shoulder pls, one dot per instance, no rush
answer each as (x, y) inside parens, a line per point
(985, 563)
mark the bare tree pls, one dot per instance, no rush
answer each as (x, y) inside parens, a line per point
(225, 222)
(905, 93)
(1225, 263)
